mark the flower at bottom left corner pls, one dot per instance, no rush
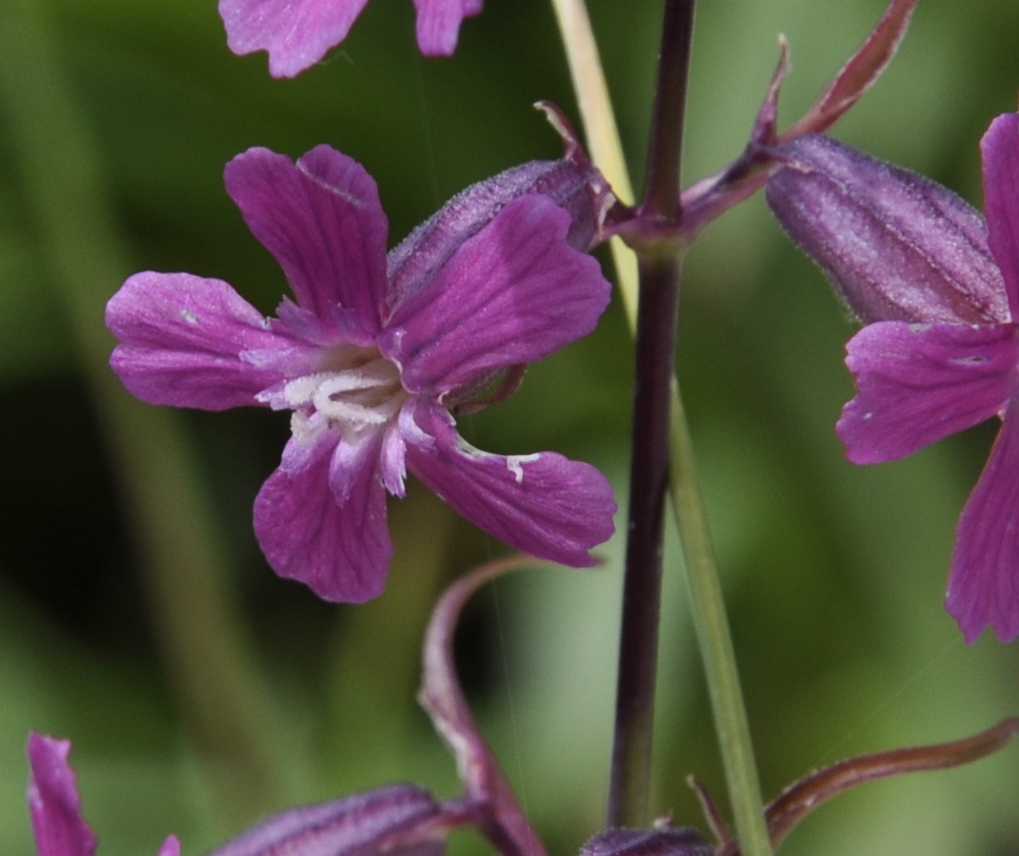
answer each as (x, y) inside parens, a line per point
(55, 805)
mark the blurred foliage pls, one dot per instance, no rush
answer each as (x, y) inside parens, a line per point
(835, 573)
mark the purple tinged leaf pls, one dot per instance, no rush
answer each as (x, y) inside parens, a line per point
(859, 73)
(806, 795)
(802, 797)
(896, 246)
(505, 824)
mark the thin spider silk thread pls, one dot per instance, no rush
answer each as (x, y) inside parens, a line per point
(835, 750)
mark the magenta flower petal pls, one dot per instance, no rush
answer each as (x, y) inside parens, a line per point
(171, 847)
(322, 220)
(339, 547)
(1000, 149)
(438, 24)
(983, 589)
(513, 293)
(296, 33)
(53, 800)
(544, 504)
(920, 382)
(181, 340)
(55, 805)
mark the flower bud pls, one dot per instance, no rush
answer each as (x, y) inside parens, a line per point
(572, 183)
(647, 842)
(400, 820)
(896, 246)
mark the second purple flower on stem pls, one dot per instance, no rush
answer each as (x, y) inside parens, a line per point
(937, 287)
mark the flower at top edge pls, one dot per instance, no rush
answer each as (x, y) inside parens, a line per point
(372, 354)
(298, 33)
(937, 288)
(55, 805)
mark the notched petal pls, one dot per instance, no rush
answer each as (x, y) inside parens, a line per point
(296, 33)
(896, 246)
(322, 220)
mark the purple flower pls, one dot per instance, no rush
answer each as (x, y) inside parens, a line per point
(297, 33)
(939, 289)
(372, 355)
(55, 805)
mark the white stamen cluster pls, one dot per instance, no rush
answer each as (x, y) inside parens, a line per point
(364, 393)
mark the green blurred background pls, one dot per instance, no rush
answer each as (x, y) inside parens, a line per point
(136, 613)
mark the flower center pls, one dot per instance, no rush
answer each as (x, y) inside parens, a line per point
(360, 391)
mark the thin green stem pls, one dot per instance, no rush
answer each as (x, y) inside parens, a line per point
(707, 604)
(603, 142)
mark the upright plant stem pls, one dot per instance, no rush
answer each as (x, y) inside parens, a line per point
(659, 269)
(707, 604)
